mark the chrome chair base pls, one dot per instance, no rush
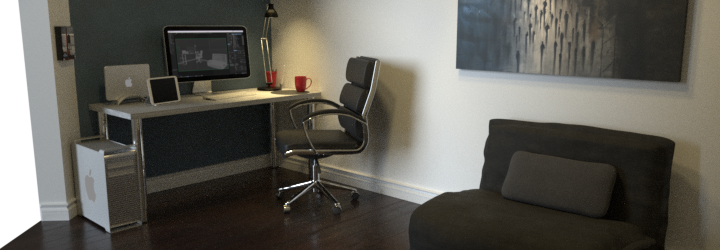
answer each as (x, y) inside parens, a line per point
(316, 184)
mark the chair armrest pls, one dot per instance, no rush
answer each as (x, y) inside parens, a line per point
(313, 101)
(340, 111)
(308, 102)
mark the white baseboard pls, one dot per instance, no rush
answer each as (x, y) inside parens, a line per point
(61, 211)
(58, 211)
(197, 175)
(364, 181)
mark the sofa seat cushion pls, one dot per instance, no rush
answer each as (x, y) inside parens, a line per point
(481, 219)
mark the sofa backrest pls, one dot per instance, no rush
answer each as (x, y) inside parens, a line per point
(642, 162)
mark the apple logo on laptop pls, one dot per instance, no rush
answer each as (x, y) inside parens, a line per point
(90, 186)
(128, 82)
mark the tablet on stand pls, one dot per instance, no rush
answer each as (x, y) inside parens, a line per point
(163, 90)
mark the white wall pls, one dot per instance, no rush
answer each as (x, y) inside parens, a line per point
(430, 119)
(53, 106)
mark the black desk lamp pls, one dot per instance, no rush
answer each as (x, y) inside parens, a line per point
(270, 74)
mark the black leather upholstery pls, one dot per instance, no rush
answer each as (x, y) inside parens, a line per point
(313, 144)
(354, 95)
(325, 139)
(359, 71)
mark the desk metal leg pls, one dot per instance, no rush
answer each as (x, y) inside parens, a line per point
(136, 126)
(102, 124)
(273, 131)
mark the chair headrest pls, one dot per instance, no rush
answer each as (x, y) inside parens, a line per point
(360, 71)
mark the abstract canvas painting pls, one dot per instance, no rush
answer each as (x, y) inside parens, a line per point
(625, 39)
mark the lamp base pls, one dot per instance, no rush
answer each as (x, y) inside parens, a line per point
(268, 89)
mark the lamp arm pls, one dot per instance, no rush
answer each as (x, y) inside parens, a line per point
(265, 46)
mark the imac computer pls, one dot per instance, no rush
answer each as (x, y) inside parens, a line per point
(203, 53)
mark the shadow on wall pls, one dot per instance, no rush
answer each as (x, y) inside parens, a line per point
(685, 219)
(391, 114)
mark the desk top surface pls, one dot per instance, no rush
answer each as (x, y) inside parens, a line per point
(196, 103)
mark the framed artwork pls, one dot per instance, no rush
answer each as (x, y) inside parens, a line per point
(625, 39)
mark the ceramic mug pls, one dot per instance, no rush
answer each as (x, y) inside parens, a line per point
(301, 83)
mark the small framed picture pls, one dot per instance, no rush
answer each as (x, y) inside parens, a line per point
(64, 43)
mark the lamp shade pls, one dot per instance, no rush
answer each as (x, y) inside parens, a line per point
(271, 11)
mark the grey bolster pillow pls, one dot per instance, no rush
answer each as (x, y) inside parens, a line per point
(578, 187)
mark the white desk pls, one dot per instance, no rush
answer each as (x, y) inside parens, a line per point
(135, 112)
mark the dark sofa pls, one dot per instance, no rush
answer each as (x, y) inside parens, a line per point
(622, 203)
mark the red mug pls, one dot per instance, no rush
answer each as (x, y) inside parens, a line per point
(271, 77)
(301, 82)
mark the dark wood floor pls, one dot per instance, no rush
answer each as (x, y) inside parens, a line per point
(240, 212)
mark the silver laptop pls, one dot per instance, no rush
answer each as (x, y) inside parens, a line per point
(126, 81)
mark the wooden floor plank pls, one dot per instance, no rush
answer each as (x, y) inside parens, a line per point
(240, 212)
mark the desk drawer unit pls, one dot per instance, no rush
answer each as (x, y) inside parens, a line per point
(109, 184)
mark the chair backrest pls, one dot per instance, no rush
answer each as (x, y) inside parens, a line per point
(642, 162)
(357, 96)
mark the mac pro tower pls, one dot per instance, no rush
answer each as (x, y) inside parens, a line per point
(109, 184)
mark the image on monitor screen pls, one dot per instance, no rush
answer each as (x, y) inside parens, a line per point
(195, 53)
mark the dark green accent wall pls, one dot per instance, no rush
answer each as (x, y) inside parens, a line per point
(130, 32)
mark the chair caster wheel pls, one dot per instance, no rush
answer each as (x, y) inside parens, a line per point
(337, 209)
(355, 195)
(279, 195)
(286, 208)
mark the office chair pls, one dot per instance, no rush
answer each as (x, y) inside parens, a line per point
(356, 98)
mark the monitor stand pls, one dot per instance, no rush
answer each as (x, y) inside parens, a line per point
(202, 87)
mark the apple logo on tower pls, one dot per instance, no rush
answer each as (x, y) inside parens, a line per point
(90, 186)
(128, 82)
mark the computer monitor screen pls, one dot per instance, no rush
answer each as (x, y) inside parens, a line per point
(198, 53)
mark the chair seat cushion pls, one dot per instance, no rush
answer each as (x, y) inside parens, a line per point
(321, 139)
(481, 219)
